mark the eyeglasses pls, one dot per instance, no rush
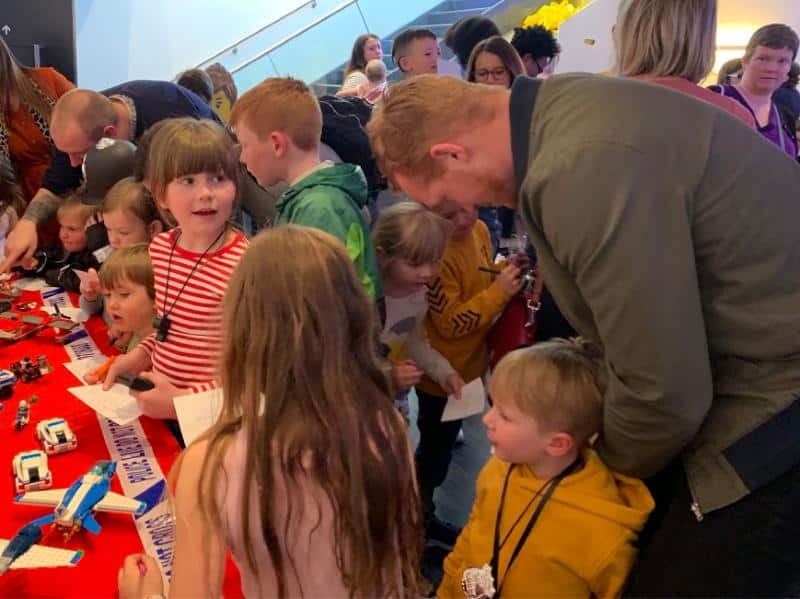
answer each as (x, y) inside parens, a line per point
(498, 73)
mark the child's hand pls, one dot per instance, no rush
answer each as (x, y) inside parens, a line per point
(406, 374)
(453, 385)
(509, 280)
(139, 577)
(121, 338)
(157, 402)
(90, 285)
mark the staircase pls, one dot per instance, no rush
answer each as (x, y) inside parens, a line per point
(438, 20)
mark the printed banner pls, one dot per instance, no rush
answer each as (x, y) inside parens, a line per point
(56, 297)
(81, 345)
(142, 479)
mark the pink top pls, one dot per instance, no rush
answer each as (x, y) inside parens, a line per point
(188, 357)
(307, 540)
(687, 87)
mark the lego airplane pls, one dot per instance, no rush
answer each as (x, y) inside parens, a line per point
(73, 511)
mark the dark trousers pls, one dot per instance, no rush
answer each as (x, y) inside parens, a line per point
(748, 549)
(435, 449)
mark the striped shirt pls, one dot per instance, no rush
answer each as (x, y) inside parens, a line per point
(189, 356)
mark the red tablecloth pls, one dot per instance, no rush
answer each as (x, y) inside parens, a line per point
(96, 573)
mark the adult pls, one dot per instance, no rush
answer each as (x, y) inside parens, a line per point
(787, 97)
(730, 72)
(27, 96)
(538, 49)
(225, 91)
(197, 81)
(79, 119)
(765, 67)
(494, 62)
(463, 35)
(672, 43)
(366, 47)
(667, 233)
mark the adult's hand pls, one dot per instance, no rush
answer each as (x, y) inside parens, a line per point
(20, 246)
(139, 578)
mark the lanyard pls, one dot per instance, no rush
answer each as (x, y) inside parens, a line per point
(546, 491)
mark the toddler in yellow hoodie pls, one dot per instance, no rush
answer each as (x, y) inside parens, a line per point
(550, 519)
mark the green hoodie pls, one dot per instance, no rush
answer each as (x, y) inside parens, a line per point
(331, 199)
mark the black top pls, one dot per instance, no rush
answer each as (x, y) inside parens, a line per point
(154, 101)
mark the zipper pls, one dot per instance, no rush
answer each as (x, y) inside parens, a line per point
(698, 513)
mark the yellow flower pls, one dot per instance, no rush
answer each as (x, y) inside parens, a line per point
(552, 15)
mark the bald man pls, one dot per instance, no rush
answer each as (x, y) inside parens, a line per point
(79, 119)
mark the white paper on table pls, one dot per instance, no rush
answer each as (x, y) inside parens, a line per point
(29, 284)
(80, 367)
(197, 412)
(76, 314)
(473, 400)
(115, 404)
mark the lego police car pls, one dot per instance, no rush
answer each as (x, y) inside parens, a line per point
(31, 472)
(56, 436)
(7, 382)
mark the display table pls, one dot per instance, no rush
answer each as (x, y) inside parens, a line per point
(95, 575)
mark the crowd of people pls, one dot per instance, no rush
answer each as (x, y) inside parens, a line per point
(635, 232)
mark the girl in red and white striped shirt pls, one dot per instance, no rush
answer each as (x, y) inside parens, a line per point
(192, 171)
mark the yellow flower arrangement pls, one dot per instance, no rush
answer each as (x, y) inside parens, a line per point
(552, 15)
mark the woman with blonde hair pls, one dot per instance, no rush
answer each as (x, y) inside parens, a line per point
(27, 96)
(672, 43)
(307, 476)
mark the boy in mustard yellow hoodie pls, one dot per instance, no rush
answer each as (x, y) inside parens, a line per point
(550, 519)
(463, 302)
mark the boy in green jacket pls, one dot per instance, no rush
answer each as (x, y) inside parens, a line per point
(279, 125)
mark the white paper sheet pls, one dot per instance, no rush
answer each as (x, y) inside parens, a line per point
(29, 284)
(115, 404)
(80, 367)
(473, 400)
(197, 412)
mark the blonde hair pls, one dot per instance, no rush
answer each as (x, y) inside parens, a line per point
(130, 195)
(667, 38)
(291, 401)
(561, 383)
(375, 71)
(132, 264)
(422, 111)
(281, 104)
(16, 80)
(409, 231)
(73, 204)
(185, 146)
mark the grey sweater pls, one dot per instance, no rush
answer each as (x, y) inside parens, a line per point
(668, 232)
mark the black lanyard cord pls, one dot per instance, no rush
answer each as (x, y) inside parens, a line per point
(546, 491)
(188, 278)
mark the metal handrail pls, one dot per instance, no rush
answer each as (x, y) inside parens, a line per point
(293, 36)
(311, 3)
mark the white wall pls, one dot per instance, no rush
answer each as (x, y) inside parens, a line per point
(738, 19)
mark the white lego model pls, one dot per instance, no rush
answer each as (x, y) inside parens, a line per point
(31, 472)
(56, 436)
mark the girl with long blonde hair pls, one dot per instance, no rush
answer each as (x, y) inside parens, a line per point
(307, 476)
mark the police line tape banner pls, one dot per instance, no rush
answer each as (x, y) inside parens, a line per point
(142, 479)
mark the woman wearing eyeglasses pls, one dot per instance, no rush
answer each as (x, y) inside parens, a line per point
(495, 62)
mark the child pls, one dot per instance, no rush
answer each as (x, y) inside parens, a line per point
(279, 124)
(372, 89)
(545, 495)
(307, 475)
(130, 217)
(58, 265)
(192, 172)
(463, 303)
(12, 203)
(126, 280)
(416, 52)
(410, 241)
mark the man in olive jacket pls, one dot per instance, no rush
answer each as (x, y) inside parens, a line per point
(669, 233)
